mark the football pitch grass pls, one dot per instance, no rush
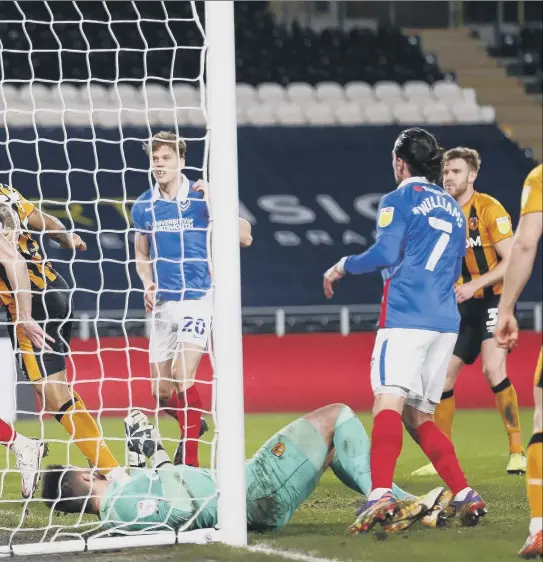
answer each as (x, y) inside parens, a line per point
(317, 530)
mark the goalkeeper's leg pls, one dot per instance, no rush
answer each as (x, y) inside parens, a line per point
(69, 410)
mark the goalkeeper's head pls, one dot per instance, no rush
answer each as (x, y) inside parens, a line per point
(417, 153)
(70, 489)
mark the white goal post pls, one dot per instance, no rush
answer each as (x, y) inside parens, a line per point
(217, 105)
(221, 98)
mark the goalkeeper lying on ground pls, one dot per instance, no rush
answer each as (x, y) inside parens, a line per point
(280, 476)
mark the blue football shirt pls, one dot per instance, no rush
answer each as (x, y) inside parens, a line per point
(419, 246)
(178, 240)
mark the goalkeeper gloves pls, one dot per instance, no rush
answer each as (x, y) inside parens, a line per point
(143, 438)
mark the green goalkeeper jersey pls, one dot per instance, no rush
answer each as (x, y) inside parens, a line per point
(279, 477)
(163, 499)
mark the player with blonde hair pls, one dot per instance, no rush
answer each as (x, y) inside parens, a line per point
(489, 237)
(172, 223)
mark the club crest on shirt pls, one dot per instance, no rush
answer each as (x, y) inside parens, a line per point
(278, 449)
(385, 216)
(473, 223)
(184, 205)
(504, 225)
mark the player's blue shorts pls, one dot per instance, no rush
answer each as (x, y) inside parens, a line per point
(282, 474)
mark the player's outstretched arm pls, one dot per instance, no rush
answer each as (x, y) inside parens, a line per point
(19, 280)
(519, 269)
(42, 222)
(245, 237)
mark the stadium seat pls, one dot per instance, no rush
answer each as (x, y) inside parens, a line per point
(417, 91)
(245, 93)
(99, 96)
(157, 96)
(447, 91)
(378, 113)
(359, 91)
(290, 114)
(349, 114)
(197, 118)
(329, 92)
(241, 116)
(72, 118)
(407, 113)
(388, 91)
(271, 94)
(185, 95)
(10, 92)
(487, 114)
(466, 113)
(18, 115)
(469, 96)
(436, 113)
(301, 92)
(260, 115)
(319, 114)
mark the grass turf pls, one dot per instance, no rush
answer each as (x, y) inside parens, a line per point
(319, 526)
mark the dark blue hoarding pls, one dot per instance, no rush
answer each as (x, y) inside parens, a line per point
(311, 194)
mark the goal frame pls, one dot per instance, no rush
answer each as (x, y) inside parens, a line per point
(220, 107)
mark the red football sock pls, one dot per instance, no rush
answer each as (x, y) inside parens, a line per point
(440, 450)
(386, 446)
(189, 422)
(7, 433)
(172, 407)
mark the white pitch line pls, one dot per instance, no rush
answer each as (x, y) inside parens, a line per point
(288, 554)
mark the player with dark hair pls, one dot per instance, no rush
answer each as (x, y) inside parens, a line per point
(519, 268)
(51, 307)
(171, 247)
(279, 477)
(489, 237)
(419, 247)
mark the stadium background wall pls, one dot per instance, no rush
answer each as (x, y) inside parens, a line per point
(296, 373)
(310, 192)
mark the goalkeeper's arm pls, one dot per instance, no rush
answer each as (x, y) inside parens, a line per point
(143, 438)
(42, 222)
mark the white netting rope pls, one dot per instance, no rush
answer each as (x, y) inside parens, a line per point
(45, 115)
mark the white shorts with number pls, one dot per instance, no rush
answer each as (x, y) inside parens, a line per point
(412, 363)
(180, 324)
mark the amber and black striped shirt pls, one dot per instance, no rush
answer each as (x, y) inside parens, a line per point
(487, 223)
(40, 270)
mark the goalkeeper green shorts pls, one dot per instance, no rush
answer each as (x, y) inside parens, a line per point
(282, 474)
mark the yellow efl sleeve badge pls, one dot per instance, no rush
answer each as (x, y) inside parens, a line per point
(278, 449)
(385, 216)
(504, 225)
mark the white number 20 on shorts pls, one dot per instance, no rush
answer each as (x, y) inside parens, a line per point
(194, 325)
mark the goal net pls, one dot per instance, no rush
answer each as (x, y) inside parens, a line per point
(82, 86)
